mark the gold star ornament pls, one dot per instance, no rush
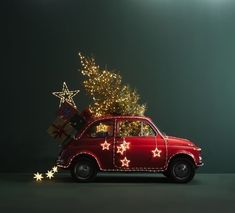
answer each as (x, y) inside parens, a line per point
(101, 128)
(38, 176)
(66, 95)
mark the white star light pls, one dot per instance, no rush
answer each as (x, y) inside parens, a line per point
(125, 162)
(38, 176)
(156, 152)
(66, 95)
(50, 174)
(105, 145)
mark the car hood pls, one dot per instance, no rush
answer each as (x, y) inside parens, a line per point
(174, 141)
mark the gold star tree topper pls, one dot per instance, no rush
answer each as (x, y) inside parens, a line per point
(66, 95)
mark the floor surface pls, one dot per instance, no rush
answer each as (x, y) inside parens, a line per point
(119, 193)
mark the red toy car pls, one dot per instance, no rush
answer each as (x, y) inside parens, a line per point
(126, 144)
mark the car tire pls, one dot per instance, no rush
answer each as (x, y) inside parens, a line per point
(84, 170)
(182, 170)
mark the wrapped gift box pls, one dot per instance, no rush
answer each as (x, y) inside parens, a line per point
(61, 130)
(67, 111)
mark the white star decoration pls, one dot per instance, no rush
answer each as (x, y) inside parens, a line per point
(156, 152)
(125, 162)
(123, 147)
(66, 95)
(55, 169)
(38, 176)
(50, 174)
(120, 149)
(125, 144)
(105, 145)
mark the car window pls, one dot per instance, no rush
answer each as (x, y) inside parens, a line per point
(130, 128)
(101, 129)
(147, 130)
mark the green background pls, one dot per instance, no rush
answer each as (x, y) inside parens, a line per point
(179, 55)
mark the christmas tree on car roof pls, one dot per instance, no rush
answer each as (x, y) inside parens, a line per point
(109, 97)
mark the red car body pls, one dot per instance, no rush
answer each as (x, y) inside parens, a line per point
(146, 153)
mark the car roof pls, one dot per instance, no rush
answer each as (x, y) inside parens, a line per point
(119, 117)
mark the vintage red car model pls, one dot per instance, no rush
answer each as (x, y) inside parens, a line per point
(127, 144)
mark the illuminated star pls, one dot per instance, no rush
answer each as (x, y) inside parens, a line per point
(120, 149)
(66, 95)
(125, 144)
(55, 169)
(125, 162)
(38, 176)
(50, 174)
(101, 128)
(156, 152)
(105, 145)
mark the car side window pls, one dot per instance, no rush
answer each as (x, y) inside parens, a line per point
(147, 130)
(131, 128)
(101, 129)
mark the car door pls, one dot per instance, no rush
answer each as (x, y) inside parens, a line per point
(97, 141)
(138, 146)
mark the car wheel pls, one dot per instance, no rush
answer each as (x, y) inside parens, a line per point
(84, 170)
(182, 170)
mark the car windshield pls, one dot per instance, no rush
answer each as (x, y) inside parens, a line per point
(160, 130)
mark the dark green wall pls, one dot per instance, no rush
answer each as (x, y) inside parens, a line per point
(180, 55)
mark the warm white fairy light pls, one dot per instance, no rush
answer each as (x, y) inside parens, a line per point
(50, 174)
(105, 145)
(125, 162)
(66, 95)
(101, 128)
(38, 176)
(123, 147)
(55, 169)
(156, 152)
(125, 144)
(120, 149)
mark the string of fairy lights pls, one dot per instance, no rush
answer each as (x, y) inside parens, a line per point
(49, 174)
